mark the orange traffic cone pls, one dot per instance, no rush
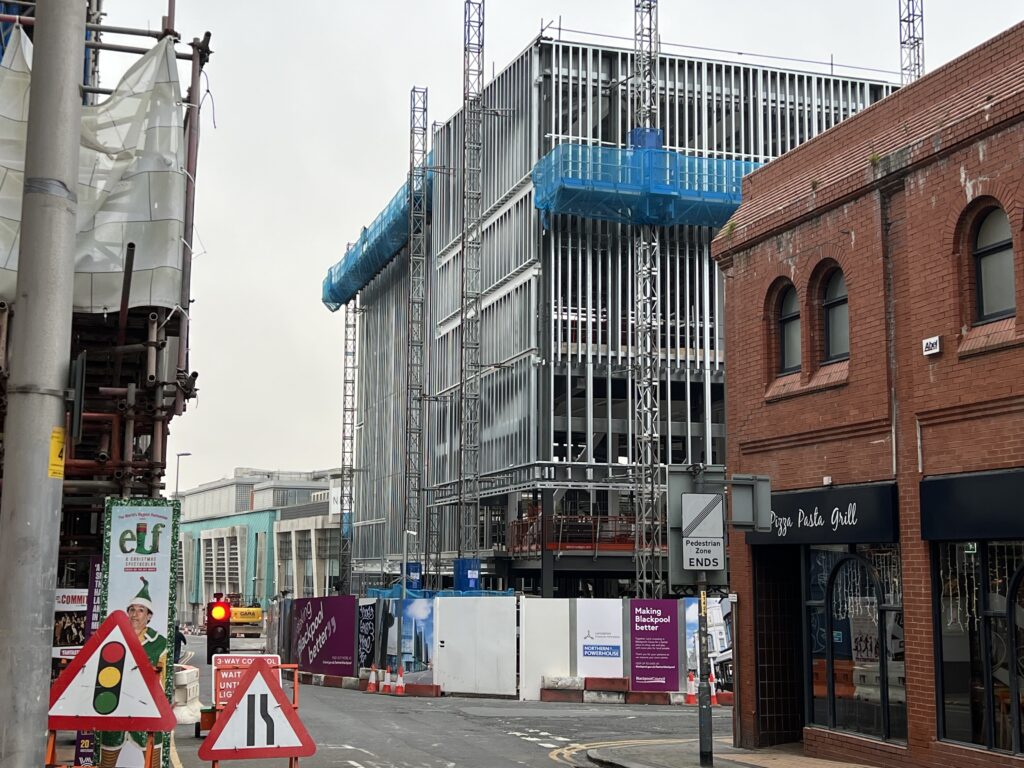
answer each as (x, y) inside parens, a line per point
(386, 688)
(691, 690)
(400, 685)
(714, 695)
(371, 685)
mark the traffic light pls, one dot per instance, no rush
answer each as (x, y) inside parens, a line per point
(109, 674)
(218, 627)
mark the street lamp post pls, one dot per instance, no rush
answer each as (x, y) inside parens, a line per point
(405, 558)
(177, 471)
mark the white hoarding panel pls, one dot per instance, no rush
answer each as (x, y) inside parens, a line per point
(544, 643)
(599, 638)
(475, 645)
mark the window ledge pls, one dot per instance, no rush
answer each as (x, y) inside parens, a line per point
(990, 337)
(828, 376)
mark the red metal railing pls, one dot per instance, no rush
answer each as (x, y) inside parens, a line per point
(571, 533)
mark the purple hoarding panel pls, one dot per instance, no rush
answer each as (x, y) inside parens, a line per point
(654, 642)
(324, 640)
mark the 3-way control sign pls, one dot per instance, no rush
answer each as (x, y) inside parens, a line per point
(110, 685)
(703, 532)
(257, 722)
(228, 672)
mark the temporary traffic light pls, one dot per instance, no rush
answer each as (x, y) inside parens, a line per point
(109, 673)
(218, 627)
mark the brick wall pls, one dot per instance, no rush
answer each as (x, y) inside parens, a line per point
(899, 228)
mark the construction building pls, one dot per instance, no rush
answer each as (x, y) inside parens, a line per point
(565, 185)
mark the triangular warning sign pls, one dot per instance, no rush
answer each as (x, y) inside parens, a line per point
(258, 721)
(110, 685)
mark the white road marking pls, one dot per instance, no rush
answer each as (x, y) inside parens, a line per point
(547, 746)
(354, 764)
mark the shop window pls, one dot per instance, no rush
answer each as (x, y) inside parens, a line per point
(980, 618)
(789, 331)
(836, 311)
(993, 265)
(855, 621)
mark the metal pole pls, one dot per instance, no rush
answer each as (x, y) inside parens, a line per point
(177, 471)
(200, 53)
(405, 560)
(704, 689)
(30, 513)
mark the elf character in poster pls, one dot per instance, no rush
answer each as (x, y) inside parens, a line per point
(140, 613)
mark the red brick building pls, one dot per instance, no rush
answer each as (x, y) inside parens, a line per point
(875, 327)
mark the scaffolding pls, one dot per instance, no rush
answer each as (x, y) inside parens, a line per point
(348, 443)
(469, 317)
(646, 250)
(130, 365)
(414, 339)
(911, 40)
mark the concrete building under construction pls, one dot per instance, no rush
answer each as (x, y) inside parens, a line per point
(564, 180)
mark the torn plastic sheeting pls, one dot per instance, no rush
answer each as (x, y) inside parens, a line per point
(376, 246)
(131, 181)
(638, 185)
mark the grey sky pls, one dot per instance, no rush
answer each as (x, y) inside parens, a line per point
(311, 102)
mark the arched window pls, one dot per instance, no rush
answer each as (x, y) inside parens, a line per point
(789, 331)
(837, 318)
(993, 267)
(855, 614)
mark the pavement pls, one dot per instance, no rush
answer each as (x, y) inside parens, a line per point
(686, 753)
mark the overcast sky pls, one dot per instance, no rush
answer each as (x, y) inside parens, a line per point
(311, 140)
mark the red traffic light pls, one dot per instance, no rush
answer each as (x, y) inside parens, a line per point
(218, 611)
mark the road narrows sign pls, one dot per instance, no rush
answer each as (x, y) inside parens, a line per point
(257, 722)
(110, 685)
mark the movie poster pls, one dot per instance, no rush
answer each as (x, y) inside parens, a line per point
(140, 578)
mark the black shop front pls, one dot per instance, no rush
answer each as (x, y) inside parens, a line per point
(828, 614)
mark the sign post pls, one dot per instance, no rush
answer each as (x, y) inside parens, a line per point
(703, 533)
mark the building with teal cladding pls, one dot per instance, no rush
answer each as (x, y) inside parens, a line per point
(233, 554)
(227, 540)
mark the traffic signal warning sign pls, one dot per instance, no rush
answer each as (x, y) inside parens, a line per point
(110, 685)
(258, 721)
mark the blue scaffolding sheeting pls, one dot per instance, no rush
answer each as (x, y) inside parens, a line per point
(376, 246)
(395, 592)
(640, 185)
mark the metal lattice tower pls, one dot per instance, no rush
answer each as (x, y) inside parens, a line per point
(647, 292)
(417, 262)
(911, 40)
(348, 445)
(469, 374)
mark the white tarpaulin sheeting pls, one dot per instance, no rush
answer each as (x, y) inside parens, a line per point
(131, 181)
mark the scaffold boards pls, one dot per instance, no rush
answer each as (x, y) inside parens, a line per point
(110, 685)
(257, 722)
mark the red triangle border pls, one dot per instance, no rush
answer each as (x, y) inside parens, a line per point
(306, 746)
(166, 722)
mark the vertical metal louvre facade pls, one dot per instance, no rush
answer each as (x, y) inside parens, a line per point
(557, 321)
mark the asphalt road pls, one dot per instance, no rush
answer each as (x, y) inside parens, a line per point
(358, 730)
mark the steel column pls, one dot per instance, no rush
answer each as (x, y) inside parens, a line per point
(469, 374)
(414, 342)
(647, 309)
